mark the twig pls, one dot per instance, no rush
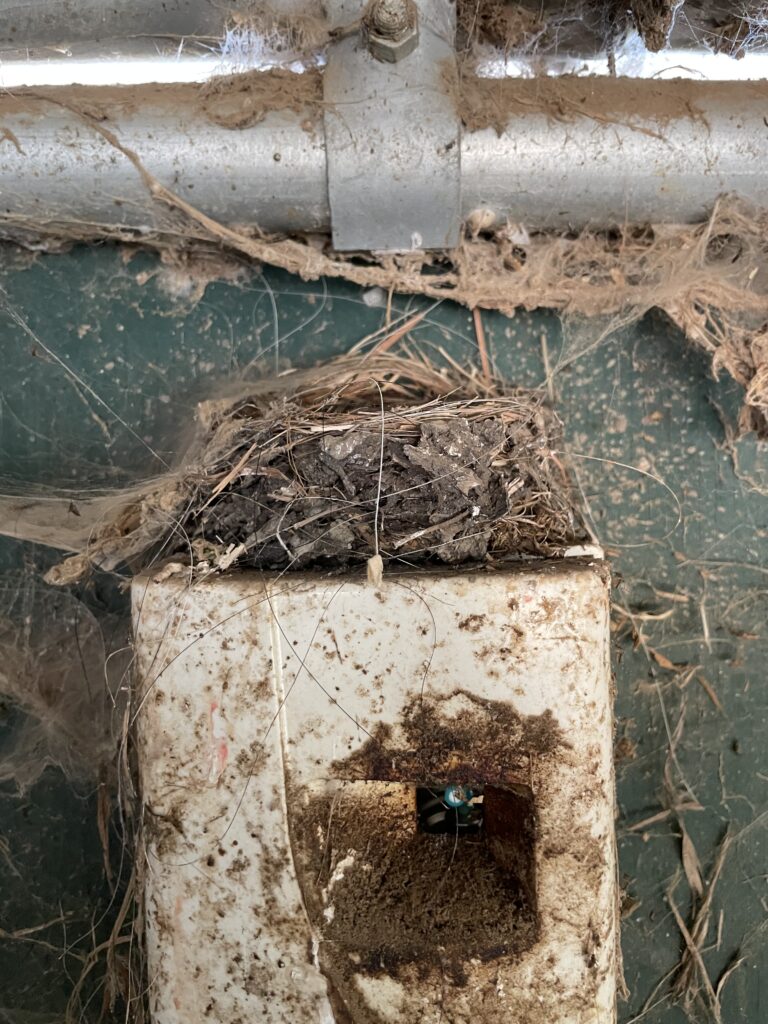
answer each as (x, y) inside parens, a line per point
(232, 475)
(480, 334)
(734, 965)
(695, 957)
(710, 692)
(391, 339)
(429, 529)
(381, 473)
(376, 563)
(691, 961)
(547, 368)
(654, 819)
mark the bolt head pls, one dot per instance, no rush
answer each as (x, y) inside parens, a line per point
(392, 29)
(393, 50)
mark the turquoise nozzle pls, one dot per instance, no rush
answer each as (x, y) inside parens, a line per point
(457, 796)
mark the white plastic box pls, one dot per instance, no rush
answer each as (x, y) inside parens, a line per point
(298, 741)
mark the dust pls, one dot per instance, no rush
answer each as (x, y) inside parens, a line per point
(494, 102)
(234, 101)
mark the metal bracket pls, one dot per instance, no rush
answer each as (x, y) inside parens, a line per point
(393, 137)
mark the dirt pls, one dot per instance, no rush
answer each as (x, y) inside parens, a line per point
(242, 100)
(493, 102)
(234, 101)
(484, 741)
(432, 899)
(592, 27)
(498, 23)
(420, 901)
(654, 19)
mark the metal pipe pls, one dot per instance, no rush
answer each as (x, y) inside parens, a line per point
(131, 62)
(662, 151)
(41, 23)
(30, 23)
(110, 42)
(608, 151)
(55, 167)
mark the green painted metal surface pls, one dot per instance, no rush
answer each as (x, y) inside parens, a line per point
(101, 366)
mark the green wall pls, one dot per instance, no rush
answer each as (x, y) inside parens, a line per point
(101, 361)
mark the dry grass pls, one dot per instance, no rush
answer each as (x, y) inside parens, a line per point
(377, 454)
(370, 453)
(746, 30)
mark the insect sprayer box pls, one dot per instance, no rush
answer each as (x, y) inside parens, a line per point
(372, 804)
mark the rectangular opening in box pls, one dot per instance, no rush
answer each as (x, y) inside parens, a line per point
(412, 872)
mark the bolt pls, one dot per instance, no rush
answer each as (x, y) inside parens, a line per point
(389, 18)
(392, 29)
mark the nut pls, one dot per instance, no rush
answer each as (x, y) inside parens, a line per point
(392, 29)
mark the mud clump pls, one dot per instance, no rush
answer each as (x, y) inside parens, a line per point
(530, 29)
(385, 888)
(242, 100)
(400, 896)
(498, 23)
(653, 20)
(460, 738)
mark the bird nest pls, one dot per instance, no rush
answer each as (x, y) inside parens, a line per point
(384, 456)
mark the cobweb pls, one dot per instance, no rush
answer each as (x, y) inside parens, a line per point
(53, 666)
